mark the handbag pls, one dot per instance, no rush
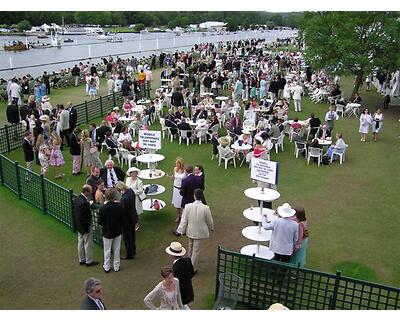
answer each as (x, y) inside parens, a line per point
(152, 188)
(156, 205)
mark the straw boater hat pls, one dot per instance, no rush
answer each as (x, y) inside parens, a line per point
(132, 169)
(175, 249)
(223, 141)
(116, 108)
(45, 98)
(277, 306)
(286, 211)
(44, 117)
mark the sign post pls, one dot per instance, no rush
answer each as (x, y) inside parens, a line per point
(264, 171)
(150, 139)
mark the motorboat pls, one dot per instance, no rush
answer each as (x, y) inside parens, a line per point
(16, 46)
(69, 40)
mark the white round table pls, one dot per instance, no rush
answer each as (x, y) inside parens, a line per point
(150, 157)
(324, 142)
(244, 148)
(206, 94)
(253, 214)
(266, 194)
(259, 251)
(125, 119)
(257, 233)
(148, 204)
(160, 190)
(156, 174)
(144, 101)
(221, 98)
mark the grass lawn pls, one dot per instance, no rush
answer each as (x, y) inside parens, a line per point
(352, 211)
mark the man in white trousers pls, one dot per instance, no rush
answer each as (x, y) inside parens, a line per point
(197, 224)
(297, 91)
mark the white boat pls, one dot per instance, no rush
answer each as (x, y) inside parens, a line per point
(106, 36)
(73, 31)
(115, 39)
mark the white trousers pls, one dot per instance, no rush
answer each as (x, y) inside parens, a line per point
(85, 246)
(194, 247)
(297, 105)
(115, 245)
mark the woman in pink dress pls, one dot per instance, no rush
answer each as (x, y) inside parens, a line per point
(56, 157)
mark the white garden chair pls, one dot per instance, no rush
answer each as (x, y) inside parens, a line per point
(314, 153)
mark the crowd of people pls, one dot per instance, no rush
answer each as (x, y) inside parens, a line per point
(269, 86)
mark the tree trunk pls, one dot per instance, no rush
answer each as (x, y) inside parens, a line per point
(357, 84)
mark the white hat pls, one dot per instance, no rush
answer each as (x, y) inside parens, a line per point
(45, 98)
(116, 108)
(44, 117)
(286, 211)
(245, 131)
(133, 169)
(175, 249)
(277, 306)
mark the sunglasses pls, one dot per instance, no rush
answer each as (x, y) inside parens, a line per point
(98, 291)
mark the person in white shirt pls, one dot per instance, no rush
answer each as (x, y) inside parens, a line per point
(110, 85)
(125, 139)
(14, 90)
(330, 117)
(149, 79)
(297, 91)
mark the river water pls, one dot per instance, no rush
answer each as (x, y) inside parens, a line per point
(87, 47)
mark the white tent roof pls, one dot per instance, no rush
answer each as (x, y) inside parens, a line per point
(211, 24)
(45, 26)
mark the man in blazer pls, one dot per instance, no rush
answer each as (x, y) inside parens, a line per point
(110, 218)
(27, 146)
(130, 219)
(82, 220)
(189, 184)
(92, 300)
(111, 175)
(197, 224)
(323, 132)
(73, 116)
(183, 270)
(75, 151)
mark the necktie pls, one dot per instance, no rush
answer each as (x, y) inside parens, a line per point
(100, 305)
(112, 178)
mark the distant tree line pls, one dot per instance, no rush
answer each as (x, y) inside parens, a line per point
(152, 19)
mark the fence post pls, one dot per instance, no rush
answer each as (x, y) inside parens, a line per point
(332, 299)
(71, 197)
(17, 175)
(86, 112)
(101, 106)
(114, 103)
(7, 139)
(43, 194)
(217, 275)
(1, 171)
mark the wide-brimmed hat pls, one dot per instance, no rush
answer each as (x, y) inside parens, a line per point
(133, 169)
(45, 98)
(175, 249)
(223, 141)
(277, 306)
(44, 117)
(116, 108)
(286, 211)
(279, 103)
(245, 131)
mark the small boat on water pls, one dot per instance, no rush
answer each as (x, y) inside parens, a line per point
(40, 45)
(16, 46)
(42, 36)
(115, 39)
(68, 40)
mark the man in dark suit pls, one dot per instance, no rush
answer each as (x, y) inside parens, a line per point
(27, 146)
(82, 220)
(13, 113)
(323, 132)
(93, 179)
(101, 133)
(189, 184)
(111, 220)
(183, 125)
(183, 270)
(111, 144)
(130, 218)
(111, 175)
(177, 99)
(200, 113)
(75, 151)
(73, 116)
(94, 291)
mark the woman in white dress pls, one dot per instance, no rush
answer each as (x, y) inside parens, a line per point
(167, 292)
(377, 123)
(136, 185)
(365, 122)
(179, 174)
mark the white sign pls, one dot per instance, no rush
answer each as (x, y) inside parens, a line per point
(264, 170)
(150, 139)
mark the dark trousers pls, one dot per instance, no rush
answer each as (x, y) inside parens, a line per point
(64, 133)
(47, 87)
(281, 257)
(129, 236)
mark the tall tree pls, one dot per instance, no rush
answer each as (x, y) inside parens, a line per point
(351, 42)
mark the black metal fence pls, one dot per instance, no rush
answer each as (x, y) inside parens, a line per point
(11, 135)
(267, 282)
(43, 194)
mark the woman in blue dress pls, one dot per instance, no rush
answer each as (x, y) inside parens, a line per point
(300, 249)
(263, 89)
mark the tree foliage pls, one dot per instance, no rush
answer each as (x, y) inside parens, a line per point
(351, 42)
(24, 25)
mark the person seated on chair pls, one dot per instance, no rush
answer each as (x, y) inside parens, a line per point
(170, 121)
(262, 124)
(125, 139)
(246, 137)
(314, 122)
(151, 110)
(179, 113)
(339, 146)
(101, 133)
(323, 132)
(336, 91)
(213, 119)
(118, 126)
(214, 142)
(111, 144)
(226, 151)
(200, 113)
(237, 123)
(183, 125)
(259, 152)
(296, 126)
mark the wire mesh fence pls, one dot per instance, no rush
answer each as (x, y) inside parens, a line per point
(11, 137)
(266, 282)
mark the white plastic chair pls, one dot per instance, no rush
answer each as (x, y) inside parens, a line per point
(340, 153)
(340, 109)
(278, 142)
(309, 129)
(314, 153)
(183, 134)
(126, 156)
(299, 147)
(222, 155)
(213, 129)
(164, 128)
(201, 134)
